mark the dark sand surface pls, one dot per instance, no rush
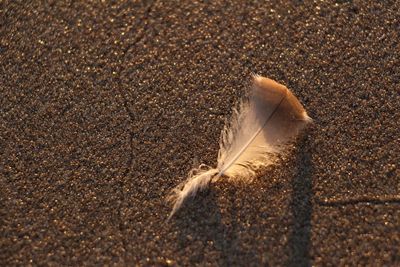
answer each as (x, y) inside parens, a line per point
(104, 108)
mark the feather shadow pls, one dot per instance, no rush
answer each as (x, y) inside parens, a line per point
(215, 232)
(210, 231)
(301, 207)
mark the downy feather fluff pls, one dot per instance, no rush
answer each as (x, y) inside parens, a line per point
(266, 121)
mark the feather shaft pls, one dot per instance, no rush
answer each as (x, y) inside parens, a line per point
(194, 184)
(229, 164)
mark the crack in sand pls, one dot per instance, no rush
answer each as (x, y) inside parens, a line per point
(131, 115)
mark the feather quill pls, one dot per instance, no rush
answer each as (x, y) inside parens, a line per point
(258, 132)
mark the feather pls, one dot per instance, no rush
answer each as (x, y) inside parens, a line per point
(258, 132)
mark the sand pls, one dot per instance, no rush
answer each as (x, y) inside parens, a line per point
(104, 108)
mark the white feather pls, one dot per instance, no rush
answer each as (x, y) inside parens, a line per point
(257, 133)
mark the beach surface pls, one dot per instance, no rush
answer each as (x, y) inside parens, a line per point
(105, 108)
